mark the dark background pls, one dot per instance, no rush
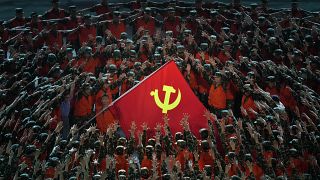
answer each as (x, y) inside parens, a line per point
(7, 7)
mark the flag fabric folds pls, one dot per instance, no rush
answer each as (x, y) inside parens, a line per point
(163, 92)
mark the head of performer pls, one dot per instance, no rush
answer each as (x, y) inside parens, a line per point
(104, 2)
(171, 13)
(55, 4)
(198, 4)
(147, 13)
(1, 26)
(34, 17)
(294, 4)
(105, 100)
(73, 11)
(218, 78)
(264, 4)
(87, 20)
(19, 13)
(116, 16)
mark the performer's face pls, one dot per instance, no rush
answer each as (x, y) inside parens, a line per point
(217, 79)
(55, 5)
(19, 15)
(105, 101)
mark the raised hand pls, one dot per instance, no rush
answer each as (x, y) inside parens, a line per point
(239, 123)
(184, 122)
(222, 125)
(219, 165)
(232, 145)
(249, 165)
(243, 111)
(115, 127)
(82, 138)
(249, 128)
(74, 130)
(101, 138)
(207, 114)
(145, 126)
(59, 127)
(133, 128)
(227, 168)
(91, 129)
(158, 135)
(166, 120)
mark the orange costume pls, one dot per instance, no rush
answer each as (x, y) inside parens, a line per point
(146, 163)
(272, 90)
(193, 80)
(149, 24)
(16, 22)
(223, 57)
(50, 172)
(204, 57)
(256, 170)
(83, 106)
(217, 97)
(54, 40)
(121, 163)
(205, 158)
(87, 32)
(247, 102)
(183, 157)
(233, 170)
(231, 90)
(173, 26)
(89, 65)
(117, 28)
(287, 98)
(104, 120)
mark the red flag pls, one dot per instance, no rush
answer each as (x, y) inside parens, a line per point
(164, 91)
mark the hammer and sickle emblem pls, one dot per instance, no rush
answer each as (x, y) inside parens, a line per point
(165, 106)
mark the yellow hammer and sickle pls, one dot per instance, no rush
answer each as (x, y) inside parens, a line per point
(165, 106)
